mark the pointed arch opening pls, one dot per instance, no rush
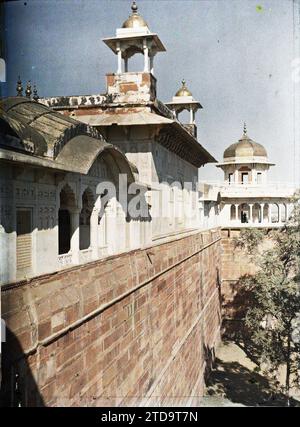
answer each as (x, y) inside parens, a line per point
(67, 204)
(244, 213)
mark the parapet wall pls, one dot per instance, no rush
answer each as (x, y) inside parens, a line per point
(138, 328)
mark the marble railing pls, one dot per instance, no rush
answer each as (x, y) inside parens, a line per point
(85, 255)
(65, 259)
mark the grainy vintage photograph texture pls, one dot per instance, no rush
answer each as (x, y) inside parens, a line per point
(149, 205)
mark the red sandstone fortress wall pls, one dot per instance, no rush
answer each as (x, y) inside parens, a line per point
(138, 328)
(235, 263)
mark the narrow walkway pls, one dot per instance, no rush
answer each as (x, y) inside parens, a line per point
(235, 381)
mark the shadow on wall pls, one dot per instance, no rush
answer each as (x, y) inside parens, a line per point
(235, 301)
(209, 352)
(231, 379)
(209, 357)
(241, 385)
(18, 387)
(234, 312)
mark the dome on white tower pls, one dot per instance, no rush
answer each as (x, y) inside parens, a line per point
(135, 20)
(245, 150)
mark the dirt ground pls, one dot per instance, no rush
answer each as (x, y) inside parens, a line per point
(236, 381)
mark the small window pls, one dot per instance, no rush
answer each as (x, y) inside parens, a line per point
(259, 177)
(245, 178)
(230, 177)
(24, 241)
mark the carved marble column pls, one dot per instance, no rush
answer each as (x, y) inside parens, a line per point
(126, 65)
(270, 214)
(75, 235)
(251, 213)
(146, 56)
(94, 232)
(152, 64)
(262, 212)
(236, 212)
(280, 212)
(192, 117)
(119, 53)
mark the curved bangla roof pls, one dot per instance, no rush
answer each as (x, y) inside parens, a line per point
(32, 133)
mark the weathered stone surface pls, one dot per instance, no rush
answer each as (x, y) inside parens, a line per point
(235, 264)
(150, 342)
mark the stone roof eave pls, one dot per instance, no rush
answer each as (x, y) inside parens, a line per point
(245, 162)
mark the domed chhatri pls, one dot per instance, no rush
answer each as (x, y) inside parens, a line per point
(245, 162)
(183, 100)
(135, 20)
(135, 37)
(248, 199)
(183, 91)
(245, 148)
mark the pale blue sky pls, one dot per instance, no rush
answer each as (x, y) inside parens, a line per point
(236, 56)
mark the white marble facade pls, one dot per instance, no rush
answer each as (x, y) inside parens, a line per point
(248, 199)
(94, 232)
(58, 151)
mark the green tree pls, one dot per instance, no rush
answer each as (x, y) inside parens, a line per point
(272, 317)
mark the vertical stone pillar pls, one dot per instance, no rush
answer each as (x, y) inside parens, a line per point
(288, 210)
(152, 64)
(262, 212)
(236, 176)
(251, 213)
(270, 214)
(102, 230)
(119, 53)
(126, 65)
(94, 233)
(253, 176)
(192, 119)
(236, 212)
(112, 226)
(146, 56)
(75, 236)
(280, 213)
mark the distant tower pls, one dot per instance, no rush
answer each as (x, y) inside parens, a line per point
(135, 37)
(248, 200)
(245, 162)
(19, 87)
(183, 100)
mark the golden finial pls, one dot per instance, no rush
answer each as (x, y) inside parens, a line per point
(28, 91)
(35, 94)
(134, 7)
(19, 87)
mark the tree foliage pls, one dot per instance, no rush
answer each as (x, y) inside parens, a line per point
(272, 319)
